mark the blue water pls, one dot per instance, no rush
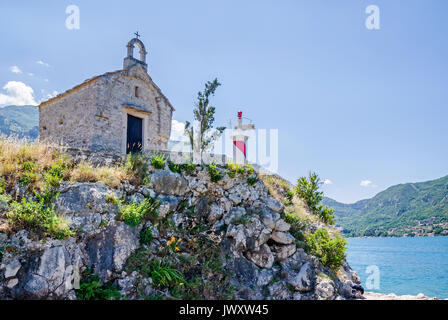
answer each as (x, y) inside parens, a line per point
(406, 265)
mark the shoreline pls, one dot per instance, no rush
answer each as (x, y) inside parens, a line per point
(393, 296)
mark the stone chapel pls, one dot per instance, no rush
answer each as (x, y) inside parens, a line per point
(118, 112)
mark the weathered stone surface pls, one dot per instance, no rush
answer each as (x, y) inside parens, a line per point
(245, 272)
(36, 287)
(171, 201)
(284, 252)
(84, 198)
(262, 257)
(237, 232)
(167, 182)
(236, 198)
(273, 204)
(127, 284)
(234, 214)
(109, 250)
(279, 290)
(216, 213)
(325, 289)
(11, 268)
(270, 218)
(136, 198)
(12, 283)
(264, 277)
(302, 281)
(282, 237)
(282, 226)
(147, 192)
(240, 191)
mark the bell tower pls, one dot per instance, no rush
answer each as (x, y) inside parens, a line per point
(130, 61)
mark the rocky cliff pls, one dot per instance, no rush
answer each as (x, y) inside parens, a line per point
(177, 236)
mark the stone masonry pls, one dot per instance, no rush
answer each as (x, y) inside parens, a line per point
(93, 115)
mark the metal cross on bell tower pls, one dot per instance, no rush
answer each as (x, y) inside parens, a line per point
(137, 35)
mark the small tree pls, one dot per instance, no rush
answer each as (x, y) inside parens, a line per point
(204, 114)
(308, 190)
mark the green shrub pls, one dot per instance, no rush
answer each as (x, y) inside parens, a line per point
(133, 214)
(231, 174)
(164, 275)
(137, 166)
(158, 160)
(214, 173)
(29, 172)
(146, 235)
(174, 167)
(331, 252)
(249, 168)
(55, 174)
(297, 225)
(188, 168)
(252, 180)
(37, 216)
(91, 288)
(289, 195)
(112, 199)
(326, 214)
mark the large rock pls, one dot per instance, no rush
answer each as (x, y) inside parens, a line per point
(273, 204)
(303, 280)
(283, 252)
(234, 214)
(282, 237)
(108, 251)
(167, 182)
(48, 274)
(84, 198)
(265, 276)
(282, 226)
(239, 193)
(262, 257)
(280, 291)
(11, 268)
(216, 212)
(325, 289)
(270, 218)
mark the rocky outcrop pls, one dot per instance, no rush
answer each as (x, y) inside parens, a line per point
(258, 256)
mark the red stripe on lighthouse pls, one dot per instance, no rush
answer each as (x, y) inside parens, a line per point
(241, 146)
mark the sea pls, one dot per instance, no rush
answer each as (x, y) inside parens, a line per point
(401, 265)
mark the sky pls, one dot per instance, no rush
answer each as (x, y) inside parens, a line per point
(365, 109)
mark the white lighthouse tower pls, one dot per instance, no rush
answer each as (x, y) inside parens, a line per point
(240, 138)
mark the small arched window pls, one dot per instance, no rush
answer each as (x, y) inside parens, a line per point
(136, 91)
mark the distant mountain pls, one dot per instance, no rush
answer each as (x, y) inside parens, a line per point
(21, 121)
(411, 209)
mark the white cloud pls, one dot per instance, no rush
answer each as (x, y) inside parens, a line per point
(367, 183)
(17, 93)
(327, 181)
(42, 63)
(31, 74)
(15, 69)
(52, 95)
(177, 130)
